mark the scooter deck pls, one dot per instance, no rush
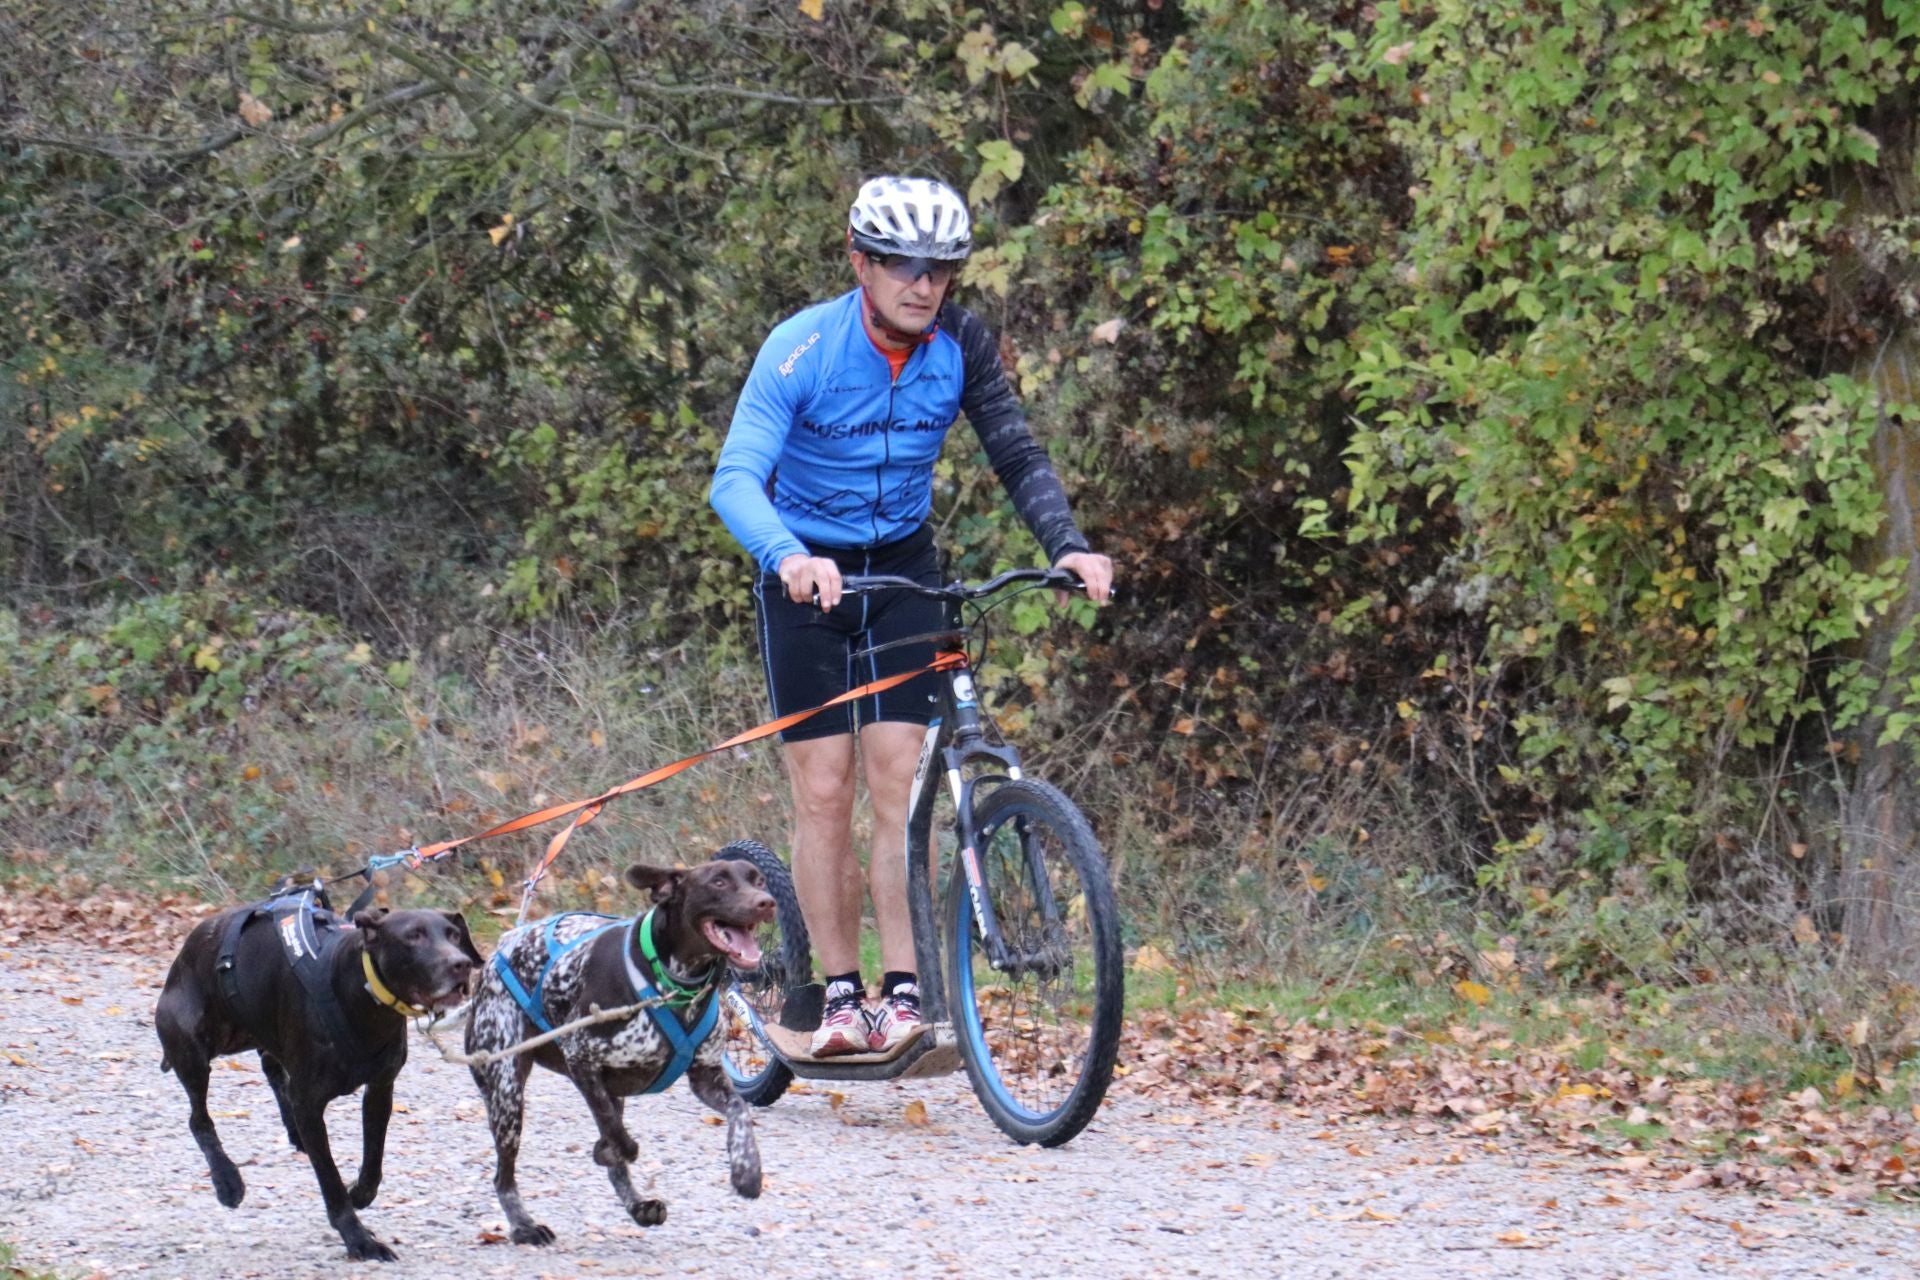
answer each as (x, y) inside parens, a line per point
(930, 1053)
(796, 1046)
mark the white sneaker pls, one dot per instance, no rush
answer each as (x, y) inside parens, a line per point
(897, 1020)
(845, 1026)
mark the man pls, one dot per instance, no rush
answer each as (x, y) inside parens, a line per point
(828, 470)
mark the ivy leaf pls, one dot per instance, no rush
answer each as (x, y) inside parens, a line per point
(1016, 60)
(1110, 77)
(1002, 163)
(977, 54)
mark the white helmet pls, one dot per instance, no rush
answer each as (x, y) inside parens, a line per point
(911, 217)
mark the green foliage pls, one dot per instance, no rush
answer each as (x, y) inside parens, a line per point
(1626, 225)
(149, 704)
(336, 270)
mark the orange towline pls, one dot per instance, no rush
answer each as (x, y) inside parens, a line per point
(586, 811)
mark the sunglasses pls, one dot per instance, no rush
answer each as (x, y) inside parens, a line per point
(907, 270)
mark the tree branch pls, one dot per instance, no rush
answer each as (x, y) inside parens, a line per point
(312, 138)
(190, 151)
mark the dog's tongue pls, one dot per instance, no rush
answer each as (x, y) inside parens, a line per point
(737, 944)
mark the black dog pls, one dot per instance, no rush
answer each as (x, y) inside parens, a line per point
(564, 967)
(326, 1007)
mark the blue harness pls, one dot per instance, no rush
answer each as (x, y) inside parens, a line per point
(682, 1040)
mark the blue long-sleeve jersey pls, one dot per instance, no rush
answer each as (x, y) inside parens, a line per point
(827, 448)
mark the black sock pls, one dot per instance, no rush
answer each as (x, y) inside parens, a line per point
(894, 978)
(859, 987)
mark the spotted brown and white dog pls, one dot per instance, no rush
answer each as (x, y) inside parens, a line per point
(703, 917)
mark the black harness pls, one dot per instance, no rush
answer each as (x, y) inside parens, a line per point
(309, 934)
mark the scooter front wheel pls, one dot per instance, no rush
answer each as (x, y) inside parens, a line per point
(1039, 1024)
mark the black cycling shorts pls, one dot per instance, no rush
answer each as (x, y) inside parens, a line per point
(809, 655)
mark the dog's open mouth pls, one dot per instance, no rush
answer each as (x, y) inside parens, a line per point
(732, 941)
(451, 998)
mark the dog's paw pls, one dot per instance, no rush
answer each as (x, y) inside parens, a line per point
(361, 1194)
(229, 1187)
(368, 1249)
(648, 1213)
(608, 1153)
(746, 1181)
(533, 1233)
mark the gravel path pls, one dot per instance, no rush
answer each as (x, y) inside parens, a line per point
(99, 1176)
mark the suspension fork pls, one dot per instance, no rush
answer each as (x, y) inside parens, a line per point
(953, 741)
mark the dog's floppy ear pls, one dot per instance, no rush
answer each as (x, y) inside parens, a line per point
(459, 923)
(660, 881)
(369, 920)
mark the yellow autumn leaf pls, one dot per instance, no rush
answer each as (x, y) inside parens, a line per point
(1151, 959)
(1472, 992)
(499, 233)
(815, 9)
(915, 1114)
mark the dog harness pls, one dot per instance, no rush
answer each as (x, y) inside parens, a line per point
(682, 1040)
(309, 932)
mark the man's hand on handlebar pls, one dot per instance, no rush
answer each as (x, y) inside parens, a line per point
(811, 579)
(1094, 571)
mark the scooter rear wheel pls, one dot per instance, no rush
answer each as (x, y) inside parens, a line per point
(756, 997)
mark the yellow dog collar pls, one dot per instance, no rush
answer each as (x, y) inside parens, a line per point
(378, 990)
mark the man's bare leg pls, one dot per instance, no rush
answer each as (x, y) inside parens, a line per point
(889, 751)
(826, 874)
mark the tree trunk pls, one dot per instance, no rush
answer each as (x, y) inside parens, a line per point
(1879, 810)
